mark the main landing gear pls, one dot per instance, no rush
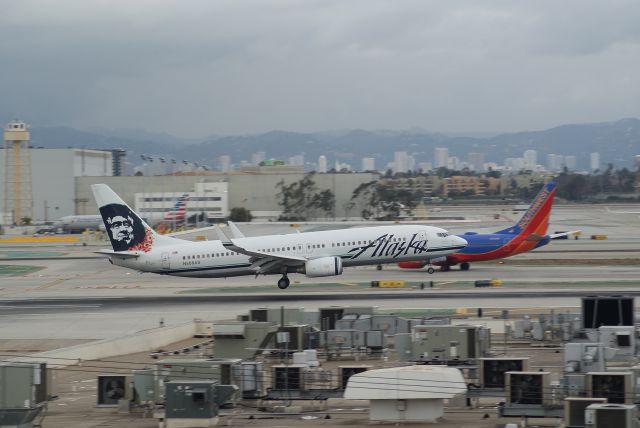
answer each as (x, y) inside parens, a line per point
(283, 282)
(464, 266)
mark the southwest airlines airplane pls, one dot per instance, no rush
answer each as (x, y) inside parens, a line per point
(137, 246)
(529, 233)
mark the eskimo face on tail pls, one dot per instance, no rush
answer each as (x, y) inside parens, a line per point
(125, 229)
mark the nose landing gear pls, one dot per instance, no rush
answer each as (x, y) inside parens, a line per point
(283, 282)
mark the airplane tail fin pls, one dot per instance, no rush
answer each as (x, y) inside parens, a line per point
(179, 209)
(126, 230)
(536, 218)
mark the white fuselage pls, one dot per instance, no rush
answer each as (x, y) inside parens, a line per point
(357, 246)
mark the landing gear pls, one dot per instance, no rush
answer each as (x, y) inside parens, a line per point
(464, 266)
(430, 270)
(283, 282)
(445, 268)
(379, 267)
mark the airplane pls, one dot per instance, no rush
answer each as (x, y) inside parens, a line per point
(529, 233)
(314, 254)
(80, 223)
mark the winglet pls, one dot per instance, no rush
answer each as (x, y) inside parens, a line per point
(235, 232)
(222, 237)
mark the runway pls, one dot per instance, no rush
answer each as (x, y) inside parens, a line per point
(75, 295)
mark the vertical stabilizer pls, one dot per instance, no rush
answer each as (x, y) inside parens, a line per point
(126, 230)
(536, 218)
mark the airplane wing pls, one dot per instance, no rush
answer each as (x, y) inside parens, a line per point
(562, 235)
(261, 263)
(123, 254)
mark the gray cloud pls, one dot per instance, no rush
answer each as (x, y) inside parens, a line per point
(198, 67)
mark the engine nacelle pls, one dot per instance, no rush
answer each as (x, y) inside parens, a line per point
(324, 266)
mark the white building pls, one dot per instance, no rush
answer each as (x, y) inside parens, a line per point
(594, 161)
(441, 157)
(530, 159)
(368, 164)
(322, 164)
(212, 198)
(400, 162)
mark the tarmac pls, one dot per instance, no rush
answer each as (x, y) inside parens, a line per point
(54, 296)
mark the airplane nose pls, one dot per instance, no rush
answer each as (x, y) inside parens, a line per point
(460, 241)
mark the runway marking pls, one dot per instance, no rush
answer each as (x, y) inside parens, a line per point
(51, 284)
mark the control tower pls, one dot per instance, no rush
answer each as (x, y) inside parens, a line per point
(18, 199)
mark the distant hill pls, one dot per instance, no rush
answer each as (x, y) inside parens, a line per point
(617, 142)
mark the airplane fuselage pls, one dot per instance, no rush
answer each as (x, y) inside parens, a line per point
(355, 247)
(492, 246)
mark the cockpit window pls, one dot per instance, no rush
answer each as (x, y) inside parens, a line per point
(443, 234)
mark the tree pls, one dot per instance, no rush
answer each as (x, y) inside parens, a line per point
(240, 214)
(300, 198)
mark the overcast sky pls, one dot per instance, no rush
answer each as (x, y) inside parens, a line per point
(202, 67)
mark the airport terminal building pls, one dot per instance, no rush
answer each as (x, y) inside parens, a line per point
(61, 182)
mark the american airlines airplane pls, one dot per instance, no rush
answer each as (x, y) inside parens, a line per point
(315, 254)
(80, 223)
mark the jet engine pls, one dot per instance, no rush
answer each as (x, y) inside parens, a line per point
(324, 266)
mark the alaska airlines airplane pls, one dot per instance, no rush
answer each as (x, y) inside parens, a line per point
(529, 233)
(315, 254)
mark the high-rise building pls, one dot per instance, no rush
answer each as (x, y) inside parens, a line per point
(594, 161)
(400, 162)
(441, 157)
(322, 164)
(530, 159)
(555, 162)
(225, 163)
(368, 164)
(476, 162)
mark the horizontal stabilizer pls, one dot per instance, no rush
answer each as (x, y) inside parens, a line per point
(562, 235)
(124, 254)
